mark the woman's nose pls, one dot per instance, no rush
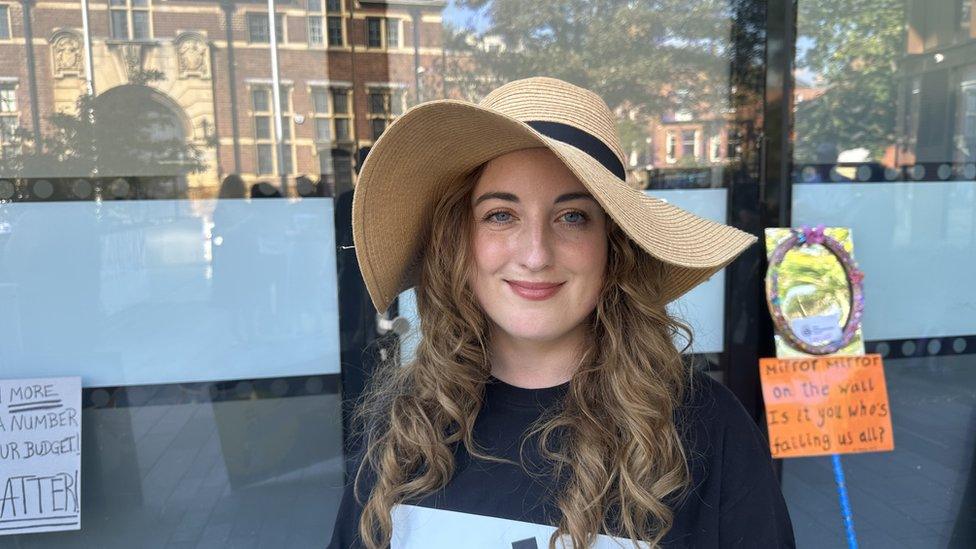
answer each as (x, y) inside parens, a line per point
(535, 246)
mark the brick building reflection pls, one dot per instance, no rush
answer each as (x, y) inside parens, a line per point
(185, 88)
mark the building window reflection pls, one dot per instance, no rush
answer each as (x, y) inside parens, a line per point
(324, 26)
(4, 22)
(382, 31)
(9, 120)
(341, 114)
(264, 138)
(385, 104)
(130, 19)
(257, 28)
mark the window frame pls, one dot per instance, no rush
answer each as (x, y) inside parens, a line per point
(8, 21)
(287, 128)
(384, 23)
(9, 113)
(130, 9)
(282, 37)
(325, 17)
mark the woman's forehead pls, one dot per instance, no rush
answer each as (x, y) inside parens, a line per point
(531, 172)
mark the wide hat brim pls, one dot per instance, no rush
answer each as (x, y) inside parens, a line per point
(434, 145)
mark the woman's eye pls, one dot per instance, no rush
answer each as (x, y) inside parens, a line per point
(574, 218)
(499, 217)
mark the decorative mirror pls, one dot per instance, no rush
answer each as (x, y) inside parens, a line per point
(814, 291)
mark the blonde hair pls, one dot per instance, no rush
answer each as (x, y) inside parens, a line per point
(613, 440)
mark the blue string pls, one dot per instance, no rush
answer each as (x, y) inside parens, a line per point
(845, 504)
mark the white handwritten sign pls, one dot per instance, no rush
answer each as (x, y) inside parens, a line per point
(40, 455)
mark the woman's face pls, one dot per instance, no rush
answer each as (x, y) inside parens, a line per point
(539, 247)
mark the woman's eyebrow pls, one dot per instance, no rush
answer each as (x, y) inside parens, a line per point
(573, 196)
(495, 194)
(512, 198)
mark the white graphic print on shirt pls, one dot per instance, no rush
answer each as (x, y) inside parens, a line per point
(416, 527)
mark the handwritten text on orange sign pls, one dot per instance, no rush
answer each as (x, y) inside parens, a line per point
(826, 405)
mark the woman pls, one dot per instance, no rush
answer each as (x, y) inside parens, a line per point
(547, 402)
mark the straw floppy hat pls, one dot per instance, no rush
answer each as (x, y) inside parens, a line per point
(434, 145)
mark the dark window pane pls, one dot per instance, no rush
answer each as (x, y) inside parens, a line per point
(342, 129)
(687, 142)
(139, 3)
(333, 5)
(396, 102)
(257, 27)
(140, 25)
(265, 159)
(286, 158)
(286, 127)
(117, 3)
(335, 31)
(120, 25)
(259, 100)
(320, 100)
(262, 127)
(323, 129)
(279, 27)
(378, 124)
(340, 100)
(392, 33)
(283, 94)
(4, 23)
(377, 103)
(315, 30)
(373, 34)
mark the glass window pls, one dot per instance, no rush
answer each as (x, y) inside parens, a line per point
(688, 143)
(342, 129)
(315, 37)
(262, 127)
(392, 33)
(378, 125)
(323, 129)
(374, 38)
(314, 5)
(396, 102)
(320, 100)
(260, 99)
(333, 5)
(334, 30)
(4, 22)
(132, 14)
(286, 127)
(257, 27)
(883, 144)
(265, 159)
(377, 103)
(286, 157)
(8, 98)
(120, 24)
(140, 25)
(340, 100)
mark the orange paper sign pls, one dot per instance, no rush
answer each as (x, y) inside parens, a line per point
(826, 405)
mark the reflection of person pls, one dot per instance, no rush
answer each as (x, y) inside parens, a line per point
(232, 249)
(547, 396)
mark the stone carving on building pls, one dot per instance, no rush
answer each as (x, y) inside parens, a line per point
(67, 53)
(192, 55)
(133, 54)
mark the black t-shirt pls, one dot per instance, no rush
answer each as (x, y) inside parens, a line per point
(734, 498)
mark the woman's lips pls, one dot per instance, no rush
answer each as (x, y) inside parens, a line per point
(535, 291)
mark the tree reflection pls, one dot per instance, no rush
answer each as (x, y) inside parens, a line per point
(129, 130)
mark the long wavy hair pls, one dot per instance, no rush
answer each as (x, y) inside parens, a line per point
(612, 442)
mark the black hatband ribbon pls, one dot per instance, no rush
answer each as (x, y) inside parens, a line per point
(582, 140)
